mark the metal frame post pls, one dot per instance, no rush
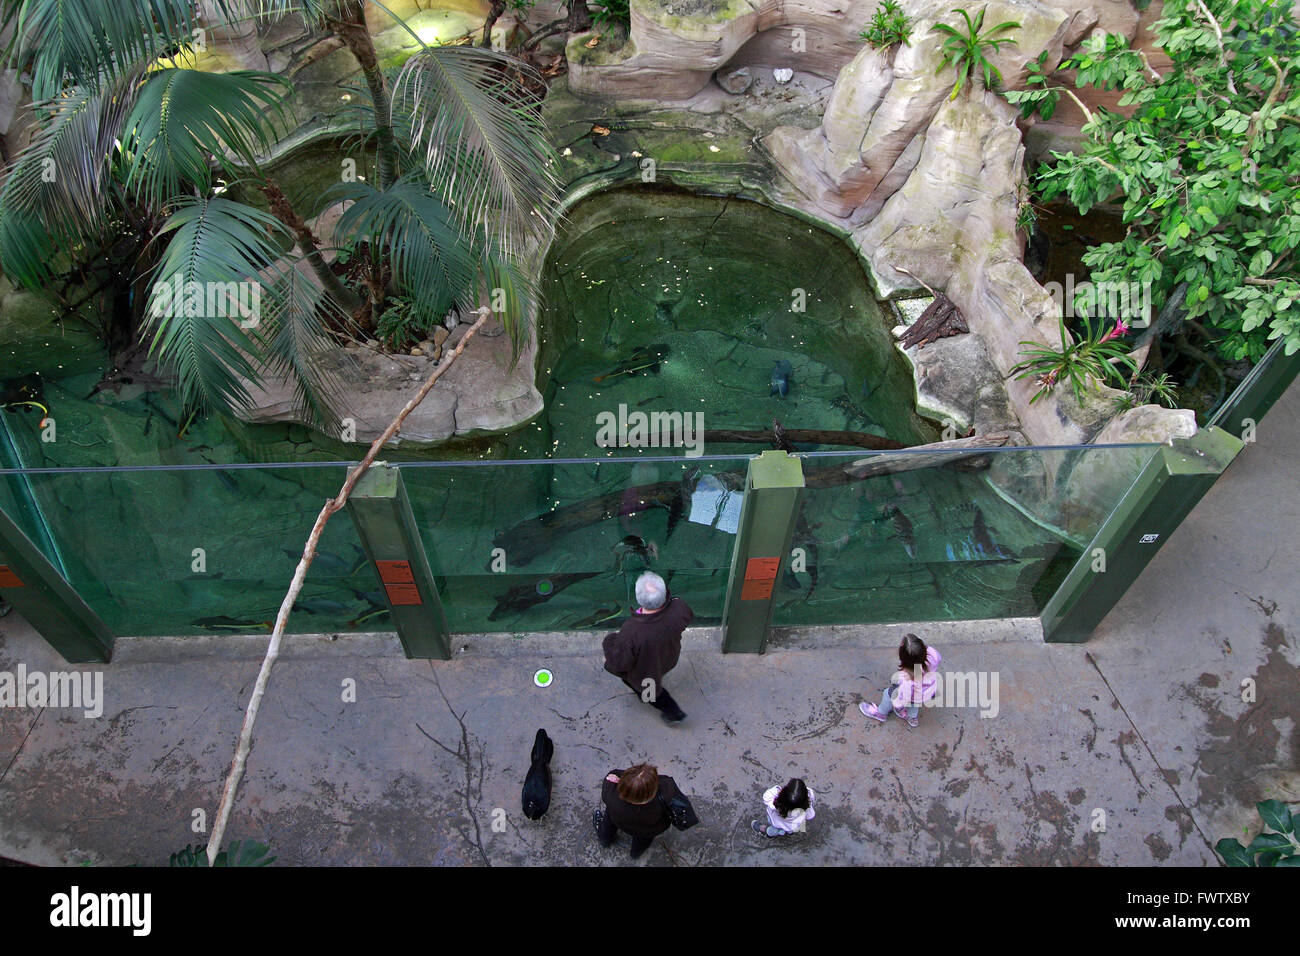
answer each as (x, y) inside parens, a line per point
(392, 543)
(773, 486)
(40, 594)
(1163, 494)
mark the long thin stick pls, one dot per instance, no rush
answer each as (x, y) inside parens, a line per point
(308, 555)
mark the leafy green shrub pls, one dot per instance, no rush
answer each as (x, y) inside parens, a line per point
(1146, 389)
(239, 853)
(1204, 167)
(889, 26)
(1091, 357)
(400, 323)
(1277, 845)
(964, 49)
(607, 13)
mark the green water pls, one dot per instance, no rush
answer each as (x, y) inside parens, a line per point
(720, 291)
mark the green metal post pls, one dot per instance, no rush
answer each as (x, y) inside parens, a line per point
(767, 518)
(1246, 406)
(40, 594)
(1170, 485)
(391, 540)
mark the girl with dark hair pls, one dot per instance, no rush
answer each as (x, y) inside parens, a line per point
(789, 809)
(915, 682)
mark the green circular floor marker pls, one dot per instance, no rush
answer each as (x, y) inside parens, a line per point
(543, 678)
(544, 586)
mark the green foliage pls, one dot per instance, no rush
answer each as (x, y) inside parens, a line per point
(1039, 95)
(1026, 216)
(472, 196)
(1277, 845)
(1205, 169)
(239, 853)
(964, 49)
(1092, 357)
(608, 13)
(890, 26)
(1148, 388)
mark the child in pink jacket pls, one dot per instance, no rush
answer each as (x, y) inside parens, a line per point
(914, 683)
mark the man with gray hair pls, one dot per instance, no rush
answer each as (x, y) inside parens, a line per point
(649, 643)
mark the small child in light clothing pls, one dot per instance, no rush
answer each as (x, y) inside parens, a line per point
(914, 683)
(789, 809)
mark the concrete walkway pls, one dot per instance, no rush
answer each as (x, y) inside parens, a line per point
(1143, 731)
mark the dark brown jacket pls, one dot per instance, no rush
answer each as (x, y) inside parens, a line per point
(648, 645)
(645, 819)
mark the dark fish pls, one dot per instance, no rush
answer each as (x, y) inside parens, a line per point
(643, 358)
(634, 544)
(319, 605)
(780, 380)
(227, 481)
(903, 528)
(537, 784)
(328, 562)
(984, 543)
(224, 623)
(523, 596)
(664, 312)
(600, 617)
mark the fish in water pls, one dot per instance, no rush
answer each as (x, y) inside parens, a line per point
(903, 528)
(780, 381)
(537, 784)
(984, 543)
(329, 563)
(664, 312)
(319, 605)
(647, 551)
(523, 596)
(643, 358)
(599, 617)
(224, 623)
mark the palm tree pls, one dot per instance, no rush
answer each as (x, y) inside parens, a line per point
(464, 196)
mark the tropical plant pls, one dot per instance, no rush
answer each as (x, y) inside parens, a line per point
(239, 853)
(1204, 169)
(608, 13)
(1277, 845)
(1089, 357)
(964, 50)
(1146, 387)
(463, 191)
(890, 26)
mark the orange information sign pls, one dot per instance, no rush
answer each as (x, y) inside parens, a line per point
(760, 577)
(395, 572)
(399, 594)
(8, 579)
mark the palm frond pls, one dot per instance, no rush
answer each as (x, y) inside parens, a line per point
(418, 235)
(211, 244)
(87, 41)
(291, 342)
(61, 177)
(182, 119)
(485, 149)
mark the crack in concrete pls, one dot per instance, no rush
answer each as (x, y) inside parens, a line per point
(14, 758)
(1163, 773)
(463, 753)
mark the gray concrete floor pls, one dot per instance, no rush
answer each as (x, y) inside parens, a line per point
(1143, 729)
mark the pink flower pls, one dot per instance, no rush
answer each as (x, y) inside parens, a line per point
(1119, 329)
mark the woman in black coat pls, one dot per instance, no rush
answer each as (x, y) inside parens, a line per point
(634, 803)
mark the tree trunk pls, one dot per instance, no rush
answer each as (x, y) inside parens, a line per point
(577, 21)
(498, 8)
(344, 297)
(347, 21)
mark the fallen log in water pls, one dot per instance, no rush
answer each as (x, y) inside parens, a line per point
(533, 537)
(926, 456)
(808, 436)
